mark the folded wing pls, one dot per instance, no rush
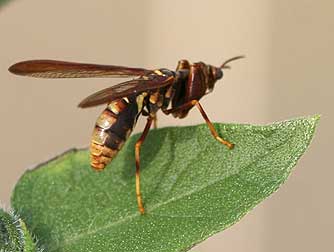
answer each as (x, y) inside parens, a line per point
(127, 88)
(62, 69)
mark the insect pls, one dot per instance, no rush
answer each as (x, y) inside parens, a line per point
(174, 92)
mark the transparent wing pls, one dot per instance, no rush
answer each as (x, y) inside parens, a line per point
(62, 69)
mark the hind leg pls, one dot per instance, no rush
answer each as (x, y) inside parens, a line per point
(137, 153)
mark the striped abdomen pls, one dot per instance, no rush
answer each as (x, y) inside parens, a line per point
(112, 128)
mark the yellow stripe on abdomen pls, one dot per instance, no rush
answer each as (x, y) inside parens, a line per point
(112, 128)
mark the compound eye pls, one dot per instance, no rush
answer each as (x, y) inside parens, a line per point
(217, 73)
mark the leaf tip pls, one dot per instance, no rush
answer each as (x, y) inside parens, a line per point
(316, 118)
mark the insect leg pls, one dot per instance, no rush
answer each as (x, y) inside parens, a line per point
(183, 106)
(212, 128)
(137, 153)
(154, 118)
(206, 118)
(155, 121)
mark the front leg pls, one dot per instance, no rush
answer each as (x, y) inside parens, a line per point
(206, 118)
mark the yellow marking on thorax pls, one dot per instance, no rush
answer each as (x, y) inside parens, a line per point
(158, 72)
(126, 100)
(154, 97)
(140, 100)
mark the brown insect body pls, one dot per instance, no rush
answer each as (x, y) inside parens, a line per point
(174, 92)
(193, 82)
(112, 129)
(117, 121)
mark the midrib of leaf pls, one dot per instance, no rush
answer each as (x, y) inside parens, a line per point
(173, 199)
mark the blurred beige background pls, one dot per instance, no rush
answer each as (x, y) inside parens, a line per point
(287, 73)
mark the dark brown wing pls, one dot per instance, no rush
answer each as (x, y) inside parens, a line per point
(62, 69)
(127, 88)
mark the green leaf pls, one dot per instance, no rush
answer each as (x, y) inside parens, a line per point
(193, 187)
(14, 236)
